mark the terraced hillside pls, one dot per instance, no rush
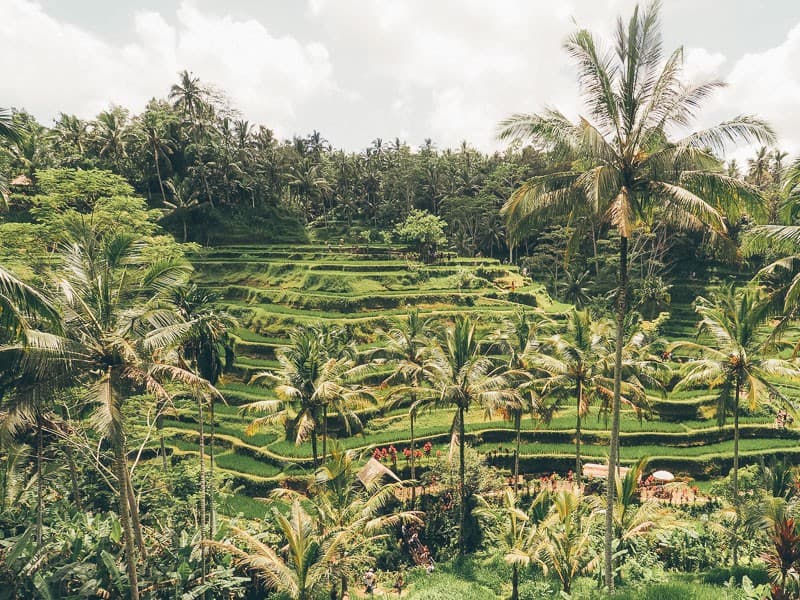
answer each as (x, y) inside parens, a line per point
(271, 289)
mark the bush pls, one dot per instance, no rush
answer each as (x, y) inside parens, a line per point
(721, 575)
(690, 549)
(538, 589)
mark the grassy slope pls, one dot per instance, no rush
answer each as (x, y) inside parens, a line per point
(274, 288)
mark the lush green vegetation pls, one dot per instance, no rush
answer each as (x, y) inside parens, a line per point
(235, 366)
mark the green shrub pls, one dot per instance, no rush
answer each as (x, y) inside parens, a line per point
(721, 575)
(538, 589)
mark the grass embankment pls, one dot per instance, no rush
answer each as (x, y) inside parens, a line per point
(274, 288)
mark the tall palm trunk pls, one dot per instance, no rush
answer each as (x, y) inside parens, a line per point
(212, 518)
(461, 480)
(736, 469)
(411, 415)
(314, 446)
(203, 488)
(161, 445)
(121, 468)
(73, 476)
(158, 173)
(514, 582)
(39, 481)
(518, 427)
(614, 441)
(134, 509)
(324, 432)
(578, 466)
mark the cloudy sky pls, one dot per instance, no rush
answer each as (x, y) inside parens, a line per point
(361, 69)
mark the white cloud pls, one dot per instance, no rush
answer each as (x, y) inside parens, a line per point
(463, 65)
(764, 84)
(62, 67)
(768, 84)
(449, 69)
(701, 65)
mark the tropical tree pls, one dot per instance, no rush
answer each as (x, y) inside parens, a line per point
(309, 384)
(629, 172)
(302, 568)
(113, 134)
(156, 140)
(34, 358)
(8, 132)
(758, 166)
(519, 335)
(208, 348)
(351, 503)
(633, 518)
(515, 532)
(407, 348)
(184, 200)
(120, 333)
(22, 308)
(465, 378)
(568, 545)
(71, 137)
(735, 359)
(575, 364)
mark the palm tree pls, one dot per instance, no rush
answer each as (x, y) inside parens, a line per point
(157, 142)
(113, 133)
(407, 347)
(516, 531)
(8, 132)
(309, 185)
(71, 135)
(33, 356)
(573, 288)
(310, 383)
(777, 170)
(207, 347)
(120, 334)
(195, 102)
(301, 569)
(21, 307)
(190, 97)
(734, 359)
(574, 364)
(184, 200)
(465, 378)
(758, 166)
(633, 518)
(629, 172)
(567, 548)
(518, 335)
(353, 504)
(26, 149)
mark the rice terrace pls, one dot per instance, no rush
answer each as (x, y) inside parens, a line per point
(560, 358)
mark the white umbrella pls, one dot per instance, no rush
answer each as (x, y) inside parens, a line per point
(663, 476)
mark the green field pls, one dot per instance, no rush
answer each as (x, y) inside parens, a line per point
(271, 289)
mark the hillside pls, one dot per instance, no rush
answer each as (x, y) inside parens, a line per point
(271, 289)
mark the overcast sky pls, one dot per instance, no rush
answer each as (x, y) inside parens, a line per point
(361, 69)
